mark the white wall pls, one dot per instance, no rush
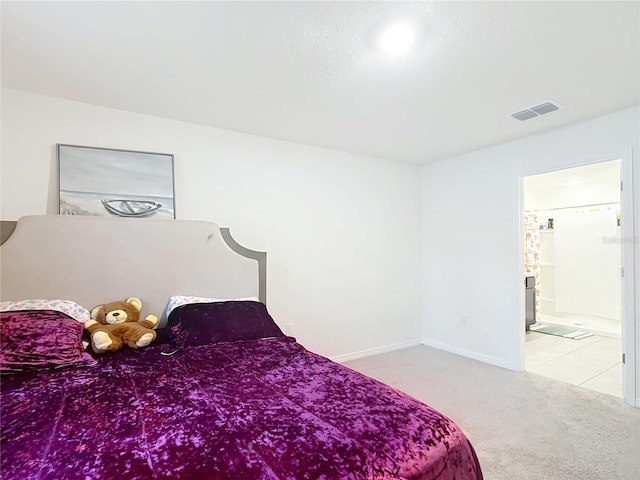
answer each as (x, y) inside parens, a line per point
(342, 231)
(472, 247)
(587, 269)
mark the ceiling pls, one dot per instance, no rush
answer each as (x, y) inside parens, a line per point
(312, 73)
(601, 173)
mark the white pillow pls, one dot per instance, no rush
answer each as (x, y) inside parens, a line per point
(179, 300)
(75, 311)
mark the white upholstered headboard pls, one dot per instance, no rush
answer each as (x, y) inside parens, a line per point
(92, 260)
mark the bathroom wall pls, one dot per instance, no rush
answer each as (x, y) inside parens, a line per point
(579, 259)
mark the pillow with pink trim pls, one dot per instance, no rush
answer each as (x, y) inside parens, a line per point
(71, 308)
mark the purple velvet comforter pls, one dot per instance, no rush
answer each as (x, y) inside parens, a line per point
(265, 409)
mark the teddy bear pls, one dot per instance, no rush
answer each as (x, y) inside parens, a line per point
(116, 324)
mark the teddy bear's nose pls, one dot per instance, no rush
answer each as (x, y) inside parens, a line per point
(115, 314)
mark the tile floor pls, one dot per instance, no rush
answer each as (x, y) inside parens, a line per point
(593, 362)
(607, 327)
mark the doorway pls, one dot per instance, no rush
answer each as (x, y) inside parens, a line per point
(573, 254)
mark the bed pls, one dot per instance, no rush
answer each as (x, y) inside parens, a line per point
(221, 393)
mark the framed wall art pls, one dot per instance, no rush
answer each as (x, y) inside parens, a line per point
(106, 181)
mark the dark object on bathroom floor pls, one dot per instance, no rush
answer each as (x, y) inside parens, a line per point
(560, 331)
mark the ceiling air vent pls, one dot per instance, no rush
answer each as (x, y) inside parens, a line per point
(524, 115)
(544, 108)
(532, 112)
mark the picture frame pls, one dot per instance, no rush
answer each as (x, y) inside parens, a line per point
(112, 182)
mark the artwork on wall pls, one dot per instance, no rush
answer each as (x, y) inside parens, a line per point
(105, 181)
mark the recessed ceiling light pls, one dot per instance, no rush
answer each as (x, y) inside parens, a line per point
(575, 181)
(397, 39)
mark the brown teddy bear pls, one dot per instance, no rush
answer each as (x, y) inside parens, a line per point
(116, 324)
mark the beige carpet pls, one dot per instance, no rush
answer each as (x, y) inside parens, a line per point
(523, 426)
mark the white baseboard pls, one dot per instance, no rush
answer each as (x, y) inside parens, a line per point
(375, 351)
(469, 354)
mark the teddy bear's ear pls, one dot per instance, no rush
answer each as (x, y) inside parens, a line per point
(97, 311)
(137, 304)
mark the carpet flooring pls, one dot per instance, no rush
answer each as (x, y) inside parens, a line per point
(522, 425)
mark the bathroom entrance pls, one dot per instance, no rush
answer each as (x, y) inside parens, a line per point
(573, 256)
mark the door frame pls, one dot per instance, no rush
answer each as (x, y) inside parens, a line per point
(628, 297)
